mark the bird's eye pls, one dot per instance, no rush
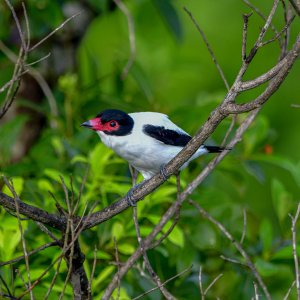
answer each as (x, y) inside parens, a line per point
(112, 124)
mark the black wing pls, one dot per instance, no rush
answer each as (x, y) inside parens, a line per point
(167, 136)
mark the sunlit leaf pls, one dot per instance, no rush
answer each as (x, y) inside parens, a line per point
(18, 184)
(126, 248)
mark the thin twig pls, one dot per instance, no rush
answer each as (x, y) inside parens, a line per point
(289, 290)
(164, 283)
(27, 26)
(296, 260)
(231, 260)
(38, 61)
(81, 190)
(6, 286)
(118, 266)
(259, 13)
(256, 296)
(229, 130)
(245, 33)
(53, 32)
(200, 284)
(283, 30)
(212, 283)
(170, 229)
(17, 259)
(244, 226)
(21, 34)
(93, 271)
(209, 48)
(48, 232)
(263, 32)
(59, 260)
(131, 35)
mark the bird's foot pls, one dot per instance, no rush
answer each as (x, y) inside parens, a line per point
(129, 196)
(163, 172)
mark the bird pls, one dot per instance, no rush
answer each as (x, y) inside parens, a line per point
(147, 140)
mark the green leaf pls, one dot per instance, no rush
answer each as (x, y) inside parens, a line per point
(102, 276)
(117, 230)
(256, 134)
(170, 16)
(282, 162)
(265, 268)
(79, 159)
(282, 200)
(126, 248)
(8, 244)
(285, 252)
(45, 185)
(140, 77)
(266, 234)
(176, 236)
(9, 133)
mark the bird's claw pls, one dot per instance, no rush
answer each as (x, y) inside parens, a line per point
(129, 197)
(163, 172)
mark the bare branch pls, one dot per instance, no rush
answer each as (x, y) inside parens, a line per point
(173, 208)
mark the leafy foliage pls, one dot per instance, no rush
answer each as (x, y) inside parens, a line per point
(172, 73)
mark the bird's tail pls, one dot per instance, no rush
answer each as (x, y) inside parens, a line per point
(216, 149)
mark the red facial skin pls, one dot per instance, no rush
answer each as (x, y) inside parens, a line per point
(109, 126)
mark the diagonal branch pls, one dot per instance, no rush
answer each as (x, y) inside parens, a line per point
(147, 242)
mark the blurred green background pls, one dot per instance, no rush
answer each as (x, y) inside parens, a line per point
(173, 73)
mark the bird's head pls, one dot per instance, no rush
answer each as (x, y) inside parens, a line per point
(111, 122)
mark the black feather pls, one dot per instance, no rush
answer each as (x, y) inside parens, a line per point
(167, 136)
(215, 149)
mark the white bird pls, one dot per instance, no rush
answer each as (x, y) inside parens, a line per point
(147, 140)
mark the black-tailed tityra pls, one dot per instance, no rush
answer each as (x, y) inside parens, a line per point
(147, 140)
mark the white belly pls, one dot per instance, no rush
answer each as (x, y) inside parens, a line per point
(146, 155)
